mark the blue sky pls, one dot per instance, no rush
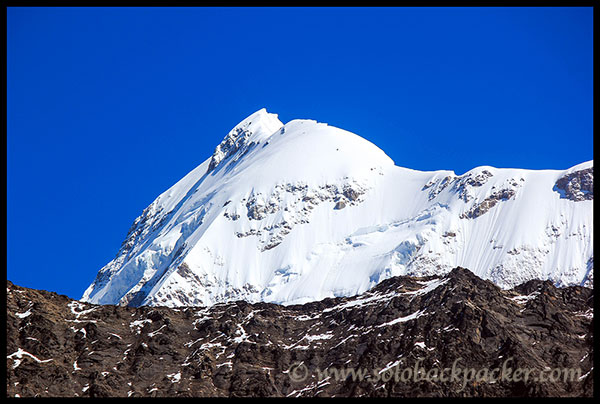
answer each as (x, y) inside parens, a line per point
(109, 107)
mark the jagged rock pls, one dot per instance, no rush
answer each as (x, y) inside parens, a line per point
(488, 203)
(465, 183)
(340, 205)
(577, 186)
(59, 347)
(437, 186)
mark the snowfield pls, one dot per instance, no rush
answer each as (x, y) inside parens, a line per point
(303, 211)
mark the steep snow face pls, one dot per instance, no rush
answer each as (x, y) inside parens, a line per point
(299, 212)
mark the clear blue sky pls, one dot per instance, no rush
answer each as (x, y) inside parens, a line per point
(107, 108)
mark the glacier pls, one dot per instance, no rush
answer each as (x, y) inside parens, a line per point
(297, 212)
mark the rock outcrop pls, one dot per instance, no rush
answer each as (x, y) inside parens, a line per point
(577, 186)
(64, 348)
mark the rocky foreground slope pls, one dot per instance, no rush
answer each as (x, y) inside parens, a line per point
(60, 347)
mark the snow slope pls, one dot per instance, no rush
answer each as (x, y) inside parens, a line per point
(299, 212)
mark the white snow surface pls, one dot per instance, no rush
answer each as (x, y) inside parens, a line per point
(303, 211)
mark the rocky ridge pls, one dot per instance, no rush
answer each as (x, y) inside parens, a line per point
(60, 347)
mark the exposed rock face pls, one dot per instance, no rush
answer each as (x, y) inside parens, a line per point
(463, 184)
(466, 183)
(577, 186)
(60, 347)
(301, 201)
(238, 140)
(488, 203)
(437, 186)
(233, 142)
(340, 205)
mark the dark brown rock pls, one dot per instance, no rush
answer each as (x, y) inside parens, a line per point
(577, 186)
(62, 348)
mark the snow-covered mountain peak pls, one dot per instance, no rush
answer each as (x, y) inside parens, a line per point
(302, 211)
(255, 128)
(261, 123)
(261, 152)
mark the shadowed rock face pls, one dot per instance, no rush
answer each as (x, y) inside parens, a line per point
(60, 347)
(577, 186)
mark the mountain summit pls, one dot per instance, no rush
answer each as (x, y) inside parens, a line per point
(303, 211)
